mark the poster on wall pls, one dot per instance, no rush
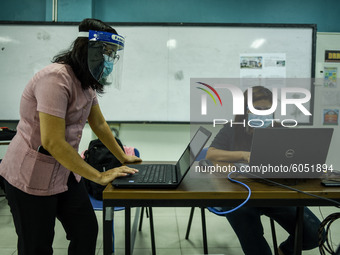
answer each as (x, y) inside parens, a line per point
(330, 76)
(261, 65)
(261, 68)
(330, 117)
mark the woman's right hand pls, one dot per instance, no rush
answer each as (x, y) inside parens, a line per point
(109, 175)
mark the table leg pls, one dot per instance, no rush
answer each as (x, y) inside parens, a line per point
(299, 230)
(134, 228)
(107, 230)
(152, 232)
(204, 231)
(127, 231)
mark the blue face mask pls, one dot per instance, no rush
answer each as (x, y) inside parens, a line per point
(259, 121)
(108, 66)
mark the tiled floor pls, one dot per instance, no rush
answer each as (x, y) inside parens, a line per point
(170, 226)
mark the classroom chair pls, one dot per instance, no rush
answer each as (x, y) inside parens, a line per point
(98, 206)
(201, 156)
(204, 230)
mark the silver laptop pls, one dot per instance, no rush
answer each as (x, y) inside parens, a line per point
(165, 175)
(289, 153)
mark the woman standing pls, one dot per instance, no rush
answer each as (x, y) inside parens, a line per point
(42, 168)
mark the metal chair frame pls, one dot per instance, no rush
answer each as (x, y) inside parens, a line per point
(204, 230)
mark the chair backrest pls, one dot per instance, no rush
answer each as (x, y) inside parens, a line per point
(136, 152)
(202, 154)
(131, 151)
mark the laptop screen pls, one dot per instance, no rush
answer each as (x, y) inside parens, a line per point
(289, 152)
(191, 152)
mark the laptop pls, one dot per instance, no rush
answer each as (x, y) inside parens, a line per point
(165, 175)
(288, 153)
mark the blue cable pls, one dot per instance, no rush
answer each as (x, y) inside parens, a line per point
(213, 210)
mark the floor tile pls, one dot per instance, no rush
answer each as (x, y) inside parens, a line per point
(7, 232)
(4, 208)
(219, 232)
(147, 252)
(166, 233)
(212, 251)
(7, 251)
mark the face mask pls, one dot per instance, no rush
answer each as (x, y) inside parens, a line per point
(260, 121)
(108, 66)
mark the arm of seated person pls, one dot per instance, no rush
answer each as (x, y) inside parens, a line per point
(214, 154)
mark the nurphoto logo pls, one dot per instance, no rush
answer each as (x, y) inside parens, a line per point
(280, 97)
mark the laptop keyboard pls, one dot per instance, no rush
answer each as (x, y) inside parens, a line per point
(158, 174)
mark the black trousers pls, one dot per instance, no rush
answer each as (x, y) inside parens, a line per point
(34, 219)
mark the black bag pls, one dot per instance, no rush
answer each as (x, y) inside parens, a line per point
(6, 134)
(99, 157)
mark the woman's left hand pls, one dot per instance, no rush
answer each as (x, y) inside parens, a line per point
(131, 159)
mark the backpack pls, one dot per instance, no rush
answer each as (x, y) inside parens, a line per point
(99, 157)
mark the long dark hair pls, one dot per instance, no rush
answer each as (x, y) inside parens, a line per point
(243, 138)
(76, 56)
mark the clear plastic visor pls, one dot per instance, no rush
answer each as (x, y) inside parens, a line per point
(105, 57)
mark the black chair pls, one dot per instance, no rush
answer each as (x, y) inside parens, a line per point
(204, 230)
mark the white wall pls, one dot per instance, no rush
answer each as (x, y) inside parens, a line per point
(154, 141)
(327, 41)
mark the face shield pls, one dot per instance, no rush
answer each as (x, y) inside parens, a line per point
(105, 57)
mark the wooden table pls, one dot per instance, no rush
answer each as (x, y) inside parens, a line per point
(203, 190)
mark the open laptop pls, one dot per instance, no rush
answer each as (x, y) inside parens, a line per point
(288, 153)
(165, 175)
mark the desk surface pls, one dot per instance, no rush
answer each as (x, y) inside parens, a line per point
(212, 187)
(211, 190)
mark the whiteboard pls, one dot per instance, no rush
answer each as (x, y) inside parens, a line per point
(159, 60)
